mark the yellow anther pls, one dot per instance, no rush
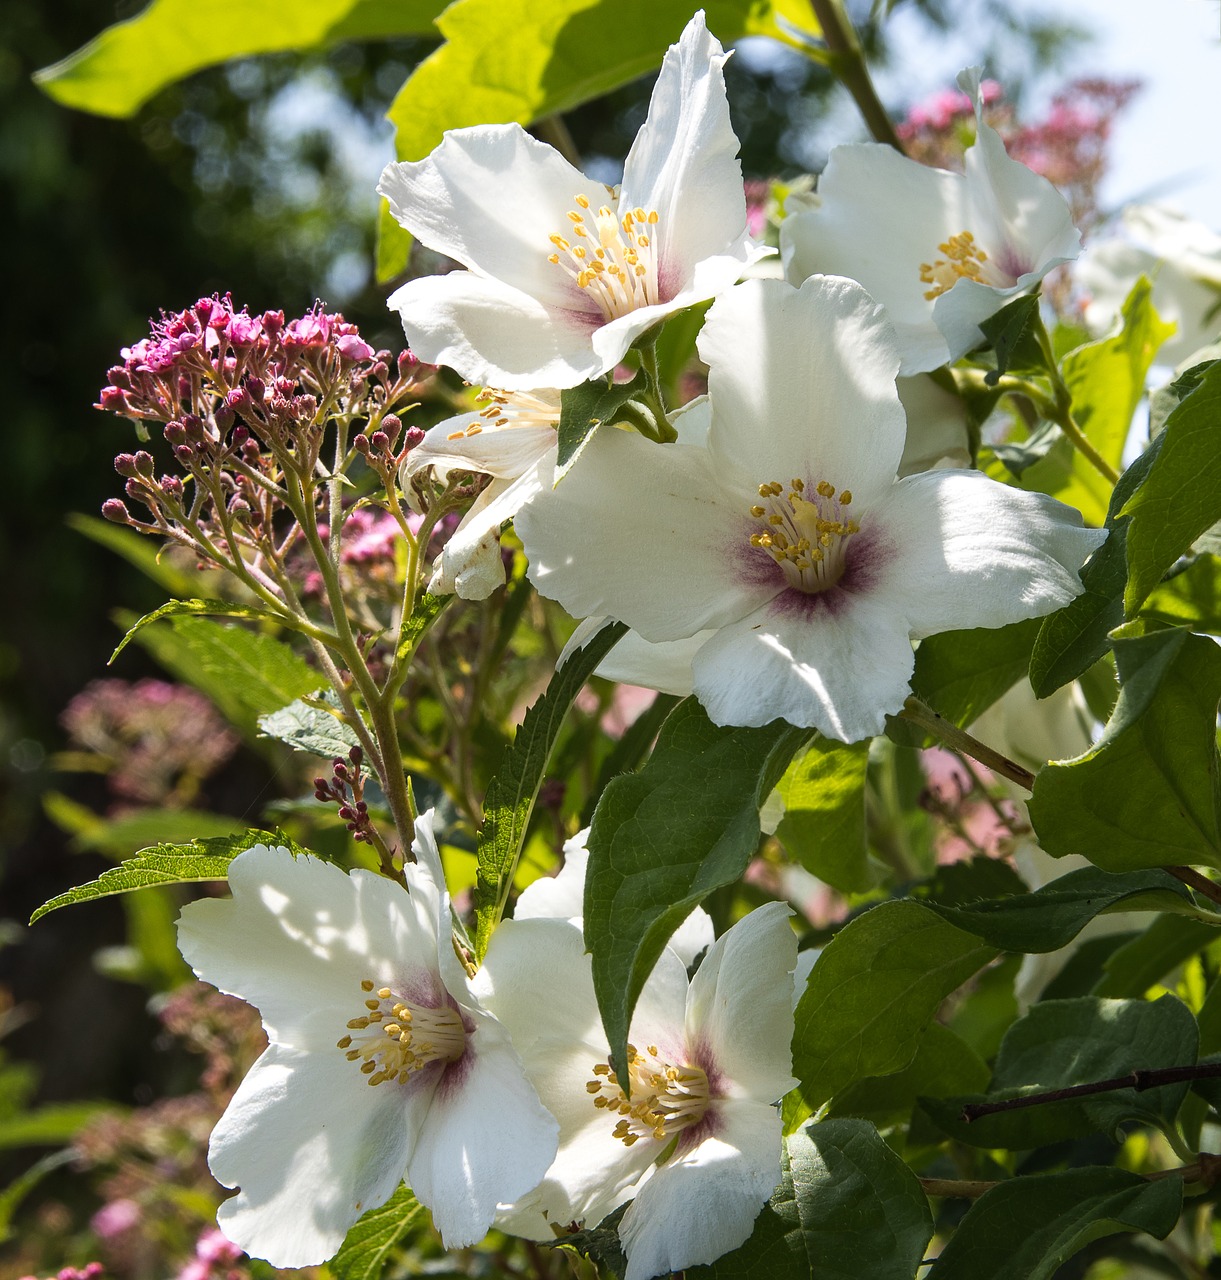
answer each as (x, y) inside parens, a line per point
(846, 497)
(575, 217)
(559, 242)
(367, 984)
(758, 511)
(652, 216)
(343, 1044)
(583, 201)
(826, 489)
(553, 258)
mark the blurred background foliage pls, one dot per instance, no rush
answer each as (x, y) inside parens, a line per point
(254, 178)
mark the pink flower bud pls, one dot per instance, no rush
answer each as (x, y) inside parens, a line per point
(115, 510)
(125, 464)
(144, 463)
(175, 434)
(353, 347)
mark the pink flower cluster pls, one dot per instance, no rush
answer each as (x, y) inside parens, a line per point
(90, 1271)
(213, 1260)
(942, 109)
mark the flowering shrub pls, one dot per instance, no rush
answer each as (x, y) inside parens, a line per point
(998, 985)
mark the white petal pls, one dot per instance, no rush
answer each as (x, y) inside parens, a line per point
(694, 935)
(880, 217)
(298, 937)
(638, 531)
(660, 1012)
(684, 165)
(486, 1138)
(969, 552)
(1194, 248)
(503, 452)
(740, 1005)
(704, 1203)
(936, 426)
(665, 666)
(312, 1146)
(562, 896)
(838, 664)
(802, 383)
(491, 197)
(495, 335)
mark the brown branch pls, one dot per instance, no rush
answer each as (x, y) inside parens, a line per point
(1200, 883)
(1206, 1168)
(959, 740)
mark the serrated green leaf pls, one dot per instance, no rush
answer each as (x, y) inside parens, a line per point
(1134, 967)
(511, 794)
(123, 67)
(199, 609)
(1181, 496)
(314, 726)
(1107, 381)
(664, 838)
(874, 990)
(1051, 917)
(823, 826)
(1067, 1042)
(369, 1245)
(583, 409)
(427, 610)
(1025, 1229)
(847, 1208)
(1146, 794)
(169, 864)
(960, 674)
(246, 673)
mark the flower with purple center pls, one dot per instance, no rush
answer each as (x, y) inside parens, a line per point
(382, 1065)
(941, 251)
(781, 561)
(696, 1146)
(564, 274)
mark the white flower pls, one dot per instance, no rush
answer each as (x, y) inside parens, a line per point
(787, 536)
(381, 1063)
(707, 1061)
(564, 274)
(1183, 260)
(511, 438)
(941, 251)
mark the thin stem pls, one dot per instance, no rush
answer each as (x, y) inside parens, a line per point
(956, 1188)
(553, 130)
(1200, 883)
(1201, 1168)
(960, 740)
(848, 63)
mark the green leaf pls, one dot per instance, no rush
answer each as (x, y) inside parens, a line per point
(246, 673)
(875, 988)
(1191, 598)
(1146, 794)
(1164, 401)
(1181, 496)
(169, 864)
(847, 1208)
(141, 551)
(823, 826)
(52, 1125)
(960, 674)
(521, 60)
(121, 69)
(1072, 639)
(1026, 1228)
(583, 409)
(16, 1191)
(664, 838)
(427, 610)
(511, 794)
(1107, 381)
(944, 1064)
(368, 1246)
(1051, 917)
(1060, 1043)
(315, 725)
(1012, 334)
(1133, 968)
(628, 753)
(198, 609)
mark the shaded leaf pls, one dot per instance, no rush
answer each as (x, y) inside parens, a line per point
(314, 726)
(664, 838)
(1012, 333)
(583, 409)
(511, 794)
(198, 609)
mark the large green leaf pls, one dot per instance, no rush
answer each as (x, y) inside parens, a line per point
(123, 67)
(1051, 917)
(874, 990)
(1191, 598)
(246, 673)
(1131, 969)
(1060, 1043)
(847, 1208)
(1025, 1229)
(167, 572)
(51, 1126)
(823, 826)
(1107, 380)
(583, 409)
(197, 609)
(370, 1244)
(1181, 496)
(664, 838)
(511, 794)
(1146, 794)
(314, 725)
(522, 60)
(169, 864)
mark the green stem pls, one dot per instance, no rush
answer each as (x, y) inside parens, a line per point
(848, 64)
(959, 740)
